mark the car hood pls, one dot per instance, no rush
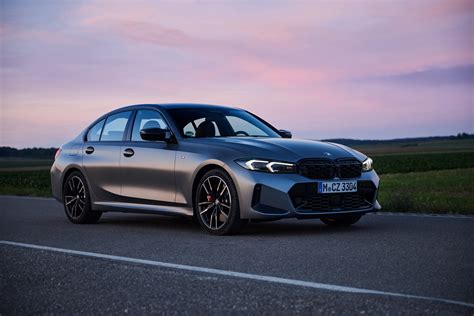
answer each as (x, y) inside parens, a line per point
(283, 149)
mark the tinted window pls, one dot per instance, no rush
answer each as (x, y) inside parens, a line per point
(242, 127)
(147, 119)
(94, 133)
(190, 129)
(219, 122)
(115, 126)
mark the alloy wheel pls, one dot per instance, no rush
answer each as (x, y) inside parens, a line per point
(75, 197)
(214, 202)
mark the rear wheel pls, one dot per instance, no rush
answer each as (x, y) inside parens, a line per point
(76, 200)
(342, 220)
(216, 204)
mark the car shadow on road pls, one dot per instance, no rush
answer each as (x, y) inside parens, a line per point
(296, 227)
(147, 221)
(276, 228)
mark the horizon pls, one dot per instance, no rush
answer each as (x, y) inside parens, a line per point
(456, 137)
(388, 70)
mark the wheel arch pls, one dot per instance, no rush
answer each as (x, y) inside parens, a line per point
(215, 164)
(76, 168)
(67, 172)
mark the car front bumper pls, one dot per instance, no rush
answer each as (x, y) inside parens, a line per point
(272, 196)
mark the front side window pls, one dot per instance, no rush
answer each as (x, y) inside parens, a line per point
(115, 125)
(94, 133)
(147, 119)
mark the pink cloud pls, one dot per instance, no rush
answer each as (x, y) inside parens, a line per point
(277, 75)
(3, 30)
(373, 36)
(449, 8)
(153, 33)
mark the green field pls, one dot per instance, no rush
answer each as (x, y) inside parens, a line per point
(418, 162)
(7, 164)
(32, 183)
(430, 177)
(441, 191)
(21, 176)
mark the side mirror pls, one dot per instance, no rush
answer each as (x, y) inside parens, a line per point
(284, 133)
(155, 134)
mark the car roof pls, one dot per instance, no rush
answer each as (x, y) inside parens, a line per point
(169, 106)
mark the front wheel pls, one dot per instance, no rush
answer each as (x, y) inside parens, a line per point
(216, 204)
(341, 220)
(77, 202)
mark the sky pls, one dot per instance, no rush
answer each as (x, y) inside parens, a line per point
(322, 69)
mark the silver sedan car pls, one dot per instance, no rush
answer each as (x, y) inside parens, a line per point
(223, 166)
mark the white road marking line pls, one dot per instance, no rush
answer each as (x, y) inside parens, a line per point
(256, 277)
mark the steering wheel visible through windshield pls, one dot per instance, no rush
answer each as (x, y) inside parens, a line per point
(209, 122)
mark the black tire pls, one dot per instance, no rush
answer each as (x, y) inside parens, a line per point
(233, 223)
(76, 200)
(341, 220)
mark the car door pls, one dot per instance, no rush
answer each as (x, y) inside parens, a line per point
(147, 167)
(101, 156)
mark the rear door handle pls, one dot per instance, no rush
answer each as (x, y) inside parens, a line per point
(128, 152)
(89, 150)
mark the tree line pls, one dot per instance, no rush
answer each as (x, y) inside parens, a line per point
(35, 152)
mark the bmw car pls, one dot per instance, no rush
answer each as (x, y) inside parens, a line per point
(223, 166)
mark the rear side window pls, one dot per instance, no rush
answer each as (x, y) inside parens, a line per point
(94, 133)
(115, 125)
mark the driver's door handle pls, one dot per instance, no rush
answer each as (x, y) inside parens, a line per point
(89, 150)
(128, 152)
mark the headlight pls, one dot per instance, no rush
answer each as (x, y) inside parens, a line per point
(367, 165)
(267, 166)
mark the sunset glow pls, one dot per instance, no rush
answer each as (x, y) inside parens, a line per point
(350, 69)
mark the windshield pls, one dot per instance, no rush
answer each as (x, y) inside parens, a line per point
(219, 122)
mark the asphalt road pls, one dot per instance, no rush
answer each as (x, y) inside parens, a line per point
(414, 256)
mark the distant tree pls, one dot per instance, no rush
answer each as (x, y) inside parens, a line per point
(35, 153)
(463, 135)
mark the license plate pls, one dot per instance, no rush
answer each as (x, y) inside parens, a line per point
(337, 187)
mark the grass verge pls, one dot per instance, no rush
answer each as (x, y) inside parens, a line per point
(417, 162)
(442, 191)
(32, 183)
(438, 191)
(16, 163)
